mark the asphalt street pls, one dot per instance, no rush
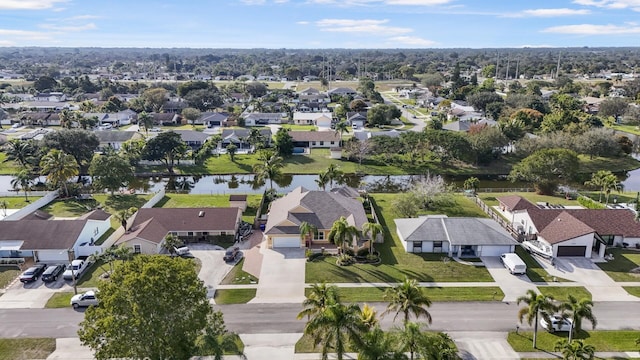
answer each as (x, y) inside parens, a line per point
(281, 318)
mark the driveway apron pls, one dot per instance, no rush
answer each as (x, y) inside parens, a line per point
(483, 346)
(213, 269)
(281, 276)
(513, 286)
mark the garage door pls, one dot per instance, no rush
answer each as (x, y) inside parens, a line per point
(495, 250)
(286, 242)
(52, 256)
(572, 250)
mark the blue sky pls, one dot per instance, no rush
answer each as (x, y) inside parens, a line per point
(320, 23)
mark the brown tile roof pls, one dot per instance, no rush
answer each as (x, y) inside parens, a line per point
(314, 135)
(564, 227)
(516, 202)
(42, 235)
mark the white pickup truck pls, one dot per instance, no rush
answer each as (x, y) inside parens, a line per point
(76, 268)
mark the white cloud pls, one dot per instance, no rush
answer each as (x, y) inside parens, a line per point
(382, 2)
(24, 34)
(592, 29)
(69, 28)
(360, 26)
(417, 2)
(82, 17)
(29, 4)
(550, 12)
(253, 2)
(302, 23)
(412, 40)
(611, 4)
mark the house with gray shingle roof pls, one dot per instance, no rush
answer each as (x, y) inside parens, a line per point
(455, 236)
(115, 138)
(318, 208)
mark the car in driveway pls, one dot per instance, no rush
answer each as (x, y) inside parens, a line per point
(53, 272)
(86, 299)
(558, 323)
(32, 273)
(232, 254)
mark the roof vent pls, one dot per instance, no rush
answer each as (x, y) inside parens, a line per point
(201, 213)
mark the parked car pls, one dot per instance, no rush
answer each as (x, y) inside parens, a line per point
(558, 323)
(76, 268)
(232, 254)
(88, 298)
(32, 273)
(513, 263)
(52, 273)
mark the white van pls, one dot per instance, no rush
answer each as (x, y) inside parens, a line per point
(513, 263)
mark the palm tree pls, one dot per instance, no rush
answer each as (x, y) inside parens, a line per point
(323, 180)
(123, 215)
(123, 253)
(341, 128)
(368, 316)
(610, 183)
(269, 167)
(375, 344)
(171, 242)
(410, 338)
(578, 310)
(598, 180)
(106, 256)
(216, 340)
(20, 151)
(341, 232)
(407, 298)
(23, 179)
(59, 167)
(335, 327)
(146, 120)
(575, 350)
(438, 346)
(537, 305)
(307, 231)
(335, 174)
(374, 229)
(320, 296)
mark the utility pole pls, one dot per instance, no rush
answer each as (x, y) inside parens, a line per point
(506, 75)
(497, 65)
(558, 68)
(517, 67)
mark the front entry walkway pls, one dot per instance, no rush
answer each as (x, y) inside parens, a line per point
(281, 276)
(513, 286)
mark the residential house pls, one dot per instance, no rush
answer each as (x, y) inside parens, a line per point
(165, 118)
(310, 106)
(357, 119)
(304, 140)
(366, 135)
(571, 231)
(320, 119)
(212, 119)
(51, 96)
(50, 241)
(239, 137)
(309, 91)
(318, 208)
(151, 225)
(465, 125)
(40, 118)
(454, 236)
(255, 119)
(115, 139)
(342, 91)
(45, 106)
(193, 139)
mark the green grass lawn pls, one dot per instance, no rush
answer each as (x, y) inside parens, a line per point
(633, 290)
(111, 204)
(632, 129)
(238, 276)
(59, 300)
(234, 296)
(17, 202)
(625, 261)
(26, 349)
(535, 271)
(589, 166)
(69, 207)
(205, 200)
(397, 264)
(375, 294)
(295, 127)
(306, 345)
(491, 198)
(7, 167)
(561, 293)
(623, 197)
(601, 340)
(7, 275)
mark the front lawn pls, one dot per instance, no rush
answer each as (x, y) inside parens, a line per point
(601, 340)
(633, 290)
(7, 275)
(397, 264)
(26, 349)
(375, 294)
(59, 300)
(234, 296)
(8, 167)
(17, 202)
(561, 293)
(624, 261)
(239, 276)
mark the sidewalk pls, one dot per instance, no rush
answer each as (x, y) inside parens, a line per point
(598, 354)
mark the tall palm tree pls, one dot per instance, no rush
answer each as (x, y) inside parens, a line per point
(146, 120)
(269, 167)
(407, 298)
(216, 340)
(575, 350)
(323, 180)
(599, 180)
(320, 296)
(23, 180)
(537, 305)
(123, 253)
(335, 327)
(335, 175)
(577, 310)
(610, 183)
(341, 128)
(373, 229)
(341, 232)
(307, 231)
(22, 152)
(59, 167)
(410, 338)
(375, 344)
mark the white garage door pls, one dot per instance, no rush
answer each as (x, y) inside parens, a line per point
(286, 242)
(495, 250)
(52, 256)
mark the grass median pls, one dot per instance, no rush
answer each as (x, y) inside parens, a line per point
(26, 349)
(561, 293)
(601, 340)
(375, 294)
(59, 300)
(234, 296)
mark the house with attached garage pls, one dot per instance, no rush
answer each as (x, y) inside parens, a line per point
(240, 138)
(454, 236)
(305, 140)
(571, 231)
(321, 119)
(256, 119)
(318, 208)
(151, 225)
(115, 139)
(193, 139)
(49, 241)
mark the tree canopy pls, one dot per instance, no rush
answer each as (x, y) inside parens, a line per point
(166, 147)
(546, 169)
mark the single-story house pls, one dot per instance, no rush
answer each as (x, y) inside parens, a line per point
(465, 125)
(572, 231)
(115, 139)
(212, 119)
(366, 135)
(342, 91)
(309, 91)
(357, 119)
(165, 118)
(50, 241)
(318, 208)
(253, 119)
(151, 225)
(321, 119)
(240, 138)
(455, 236)
(315, 139)
(193, 139)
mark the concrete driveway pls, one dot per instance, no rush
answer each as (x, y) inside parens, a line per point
(281, 276)
(483, 346)
(513, 286)
(33, 295)
(213, 269)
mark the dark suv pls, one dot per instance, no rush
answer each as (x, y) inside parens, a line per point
(232, 254)
(52, 273)
(32, 273)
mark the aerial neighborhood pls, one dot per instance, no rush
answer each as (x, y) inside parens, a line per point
(148, 194)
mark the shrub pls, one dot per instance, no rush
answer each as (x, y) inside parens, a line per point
(308, 253)
(349, 252)
(345, 260)
(314, 256)
(589, 203)
(362, 252)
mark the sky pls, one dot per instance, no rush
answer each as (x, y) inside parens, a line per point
(297, 24)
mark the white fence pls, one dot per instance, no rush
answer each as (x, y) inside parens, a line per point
(49, 197)
(154, 200)
(21, 193)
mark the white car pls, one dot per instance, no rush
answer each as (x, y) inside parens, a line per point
(88, 298)
(558, 323)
